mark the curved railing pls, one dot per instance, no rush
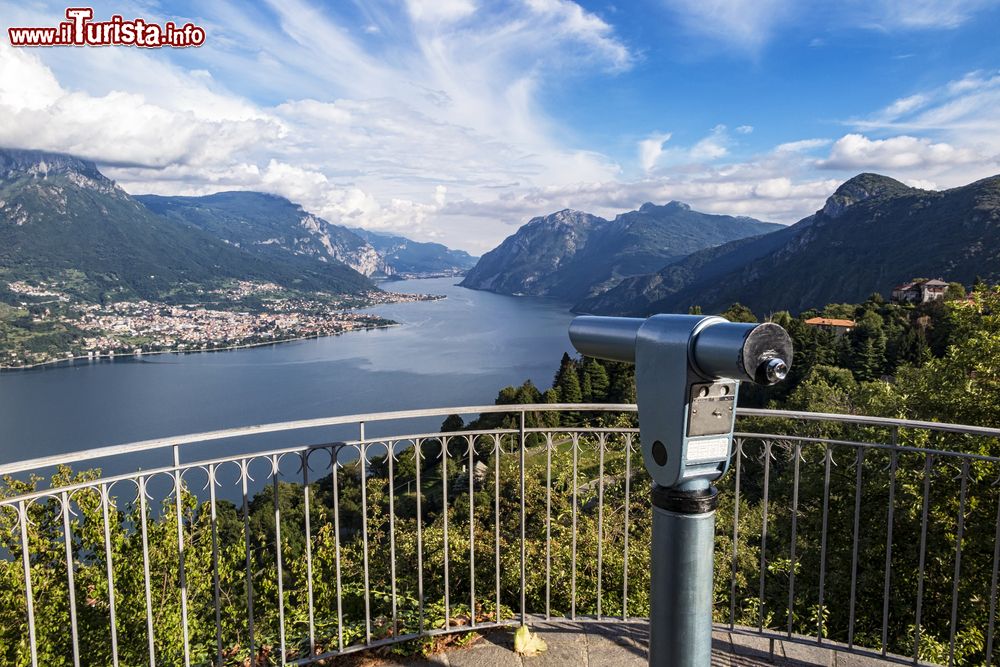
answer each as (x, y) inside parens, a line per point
(877, 536)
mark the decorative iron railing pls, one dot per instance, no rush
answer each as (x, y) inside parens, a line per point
(879, 535)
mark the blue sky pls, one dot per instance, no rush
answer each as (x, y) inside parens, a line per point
(457, 120)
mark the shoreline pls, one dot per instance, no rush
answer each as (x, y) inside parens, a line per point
(69, 361)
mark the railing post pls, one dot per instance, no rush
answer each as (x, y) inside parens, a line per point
(522, 444)
(182, 575)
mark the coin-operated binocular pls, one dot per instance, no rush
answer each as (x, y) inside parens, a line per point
(688, 370)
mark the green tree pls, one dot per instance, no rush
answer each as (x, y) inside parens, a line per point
(594, 385)
(738, 313)
(963, 385)
(867, 347)
(567, 383)
(955, 292)
(452, 423)
(825, 389)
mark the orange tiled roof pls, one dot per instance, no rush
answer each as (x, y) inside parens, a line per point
(829, 322)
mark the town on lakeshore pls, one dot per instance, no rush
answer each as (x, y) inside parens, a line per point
(242, 313)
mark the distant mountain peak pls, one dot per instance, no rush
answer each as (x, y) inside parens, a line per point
(861, 188)
(16, 162)
(570, 215)
(672, 205)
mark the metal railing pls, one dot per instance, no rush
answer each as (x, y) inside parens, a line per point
(876, 536)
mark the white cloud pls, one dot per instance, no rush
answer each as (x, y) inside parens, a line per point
(745, 24)
(904, 105)
(856, 151)
(802, 145)
(25, 83)
(712, 147)
(928, 14)
(951, 131)
(744, 129)
(440, 10)
(118, 127)
(651, 148)
(572, 20)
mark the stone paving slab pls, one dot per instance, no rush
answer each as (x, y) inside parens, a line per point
(624, 644)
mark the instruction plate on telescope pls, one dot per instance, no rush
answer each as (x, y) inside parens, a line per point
(712, 408)
(709, 449)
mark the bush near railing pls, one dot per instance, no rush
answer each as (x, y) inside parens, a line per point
(575, 554)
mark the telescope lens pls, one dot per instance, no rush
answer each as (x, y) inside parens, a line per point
(775, 370)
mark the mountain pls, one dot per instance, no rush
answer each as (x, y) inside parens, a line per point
(872, 234)
(572, 255)
(62, 220)
(272, 226)
(406, 256)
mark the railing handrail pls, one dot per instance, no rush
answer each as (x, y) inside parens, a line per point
(870, 421)
(321, 422)
(297, 425)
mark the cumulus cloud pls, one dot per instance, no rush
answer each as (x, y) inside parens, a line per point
(949, 131)
(118, 127)
(856, 151)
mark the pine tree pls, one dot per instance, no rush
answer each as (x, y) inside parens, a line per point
(595, 381)
(567, 383)
(867, 347)
(586, 391)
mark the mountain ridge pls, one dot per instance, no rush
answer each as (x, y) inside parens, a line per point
(409, 257)
(572, 254)
(270, 224)
(872, 233)
(61, 219)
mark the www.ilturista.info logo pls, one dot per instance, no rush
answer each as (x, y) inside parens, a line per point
(81, 30)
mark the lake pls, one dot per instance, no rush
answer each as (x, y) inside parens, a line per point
(456, 351)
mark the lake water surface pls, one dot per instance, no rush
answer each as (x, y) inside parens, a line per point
(457, 351)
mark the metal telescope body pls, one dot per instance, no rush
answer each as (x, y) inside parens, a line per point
(688, 370)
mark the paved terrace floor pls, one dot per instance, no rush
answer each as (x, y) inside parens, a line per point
(599, 645)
